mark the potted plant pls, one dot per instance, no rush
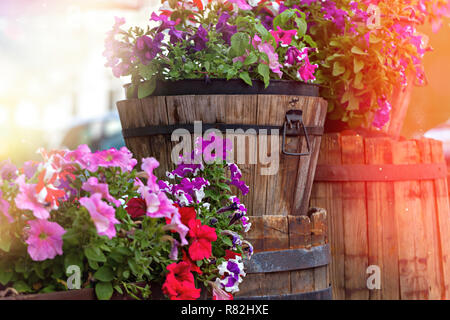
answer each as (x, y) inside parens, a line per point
(80, 220)
(217, 62)
(369, 55)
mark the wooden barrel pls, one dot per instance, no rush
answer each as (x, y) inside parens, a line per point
(388, 207)
(291, 258)
(147, 125)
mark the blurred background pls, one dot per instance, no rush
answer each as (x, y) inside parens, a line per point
(55, 90)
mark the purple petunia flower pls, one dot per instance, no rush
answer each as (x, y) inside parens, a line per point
(223, 27)
(200, 39)
(147, 48)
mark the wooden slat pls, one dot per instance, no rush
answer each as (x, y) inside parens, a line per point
(355, 222)
(382, 231)
(429, 221)
(299, 232)
(314, 115)
(319, 237)
(329, 196)
(443, 216)
(277, 200)
(243, 110)
(412, 252)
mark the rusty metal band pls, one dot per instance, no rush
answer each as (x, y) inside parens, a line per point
(380, 172)
(287, 260)
(325, 294)
(223, 127)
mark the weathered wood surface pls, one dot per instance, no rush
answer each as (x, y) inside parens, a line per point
(268, 194)
(403, 227)
(272, 233)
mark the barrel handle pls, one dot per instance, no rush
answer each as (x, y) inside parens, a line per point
(295, 118)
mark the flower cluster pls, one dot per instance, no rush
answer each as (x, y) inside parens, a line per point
(121, 226)
(368, 50)
(212, 39)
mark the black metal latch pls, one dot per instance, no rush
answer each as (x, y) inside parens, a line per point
(294, 120)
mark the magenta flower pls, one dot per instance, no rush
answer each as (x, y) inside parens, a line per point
(93, 186)
(306, 70)
(103, 215)
(44, 240)
(166, 23)
(242, 4)
(382, 114)
(27, 199)
(283, 36)
(4, 208)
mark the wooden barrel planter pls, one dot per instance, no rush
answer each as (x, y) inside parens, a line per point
(388, 206)
(148, 123)
(274, 201)
(291, 258)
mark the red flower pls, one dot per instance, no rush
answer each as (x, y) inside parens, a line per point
(180, 271)
(201, 236)
(179, 284)
(231, 255)
(186, 214)
(176, 290)
(194, 266)
(136, 207)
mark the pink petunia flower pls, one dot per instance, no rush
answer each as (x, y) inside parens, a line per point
(283, 36)
(44, 240)
(93, 186)
(148, 165)
(4, 208)
(102, 214)
(268, 49)
(122, 158)
(81, 156)
(27, 199)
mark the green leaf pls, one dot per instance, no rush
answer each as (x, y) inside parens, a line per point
(146, 88)
(264, 71)
(104, 290)
(5, 277)
(239, 42)
(104, 273)
(338, 69)
(359, 51)
(357, 65)
(246, 77)
(94, 254)
(131, 91)
(228, 241)
(5, 243)
(21, 286)
(357, 83)
(251, 59)
(302, 27)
